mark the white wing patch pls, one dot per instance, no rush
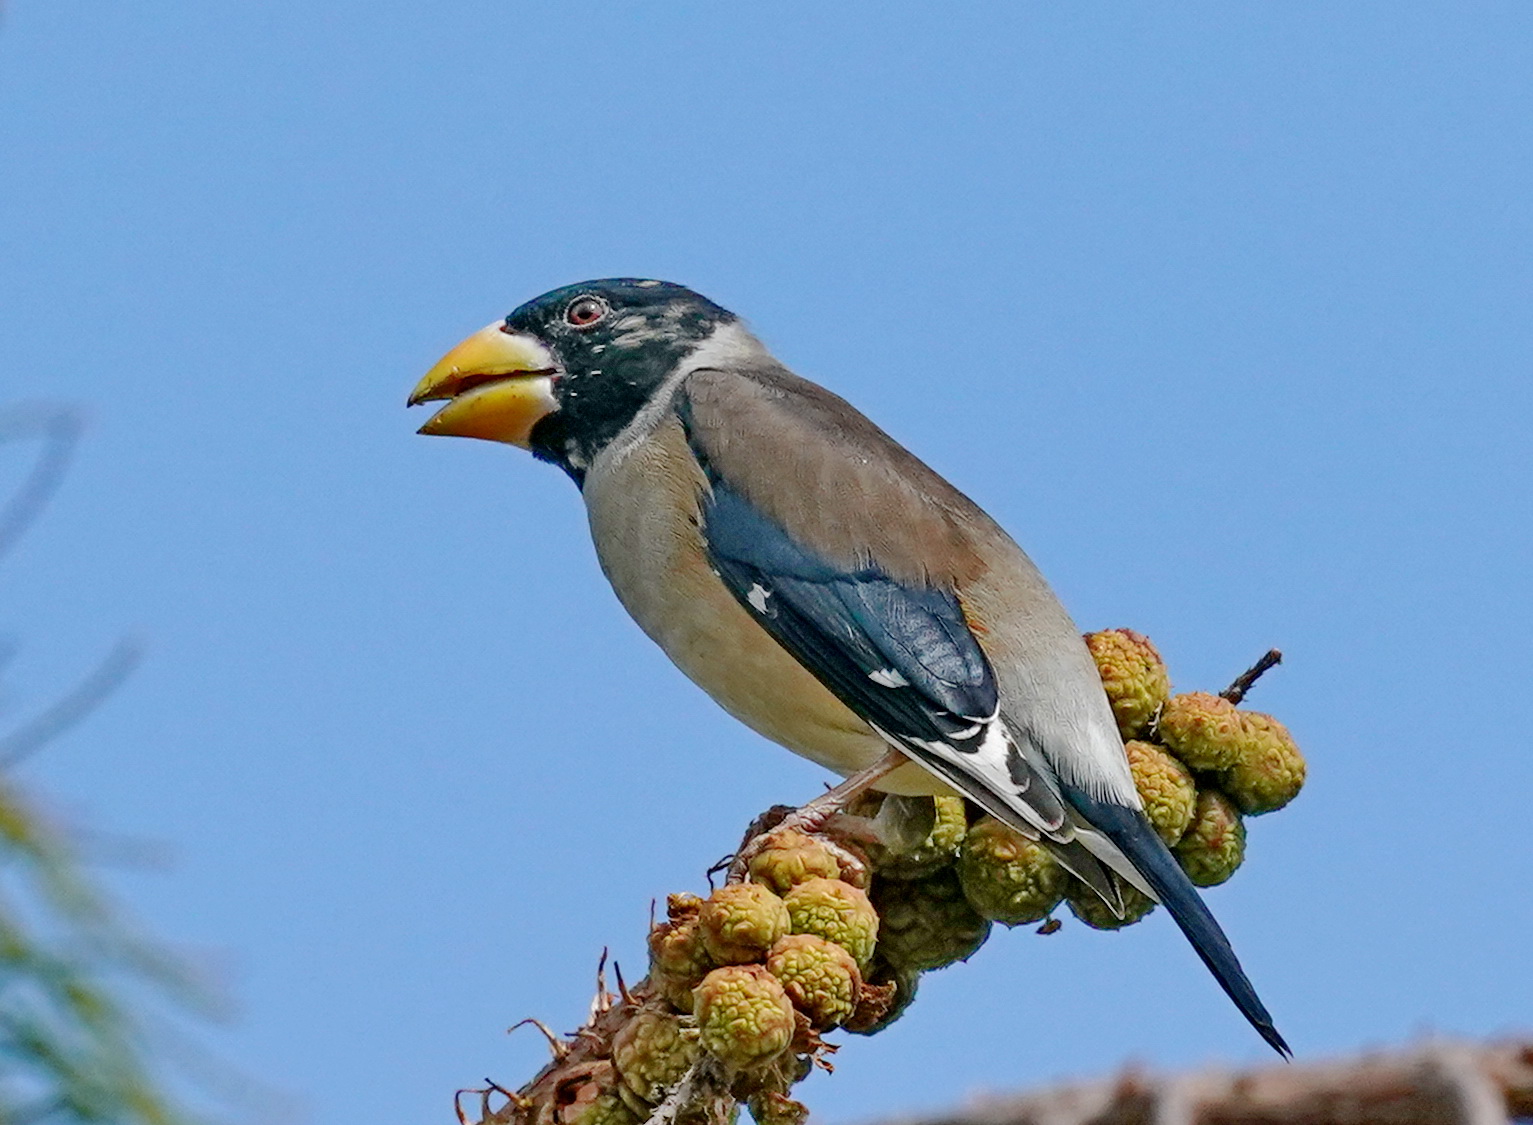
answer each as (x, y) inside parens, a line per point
(758, 596)
(987, 769)
(888, 677)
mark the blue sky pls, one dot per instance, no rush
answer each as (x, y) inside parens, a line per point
(1221, 309)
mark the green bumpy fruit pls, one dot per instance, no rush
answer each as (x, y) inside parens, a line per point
(950, 823)
(1133, 675)
(744, 1017)
(789, 858)
(886, 993)
(1215, 845)
(1090, 909)
(741, 921)
(652, 1054)
(836, 912)
(820, 977)
(1008, 878)
(1205, 731)
(603, 1109)
(1270, 770)
(1165, 786)
(677, 957)
(777, 1109)
(926, 923)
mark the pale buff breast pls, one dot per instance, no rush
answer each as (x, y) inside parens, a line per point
(642, 505)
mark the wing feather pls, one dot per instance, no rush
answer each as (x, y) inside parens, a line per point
(899, 654)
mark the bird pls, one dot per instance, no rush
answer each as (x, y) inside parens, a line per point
(824, 585)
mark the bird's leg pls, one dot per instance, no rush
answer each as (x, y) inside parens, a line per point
(813, 818)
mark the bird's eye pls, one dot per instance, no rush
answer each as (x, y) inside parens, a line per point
(585, 311)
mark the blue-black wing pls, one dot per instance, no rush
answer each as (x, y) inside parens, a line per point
(901, 656)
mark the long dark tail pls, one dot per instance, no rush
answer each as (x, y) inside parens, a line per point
(1135, 838)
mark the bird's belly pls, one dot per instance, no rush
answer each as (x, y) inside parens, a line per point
(643, 517)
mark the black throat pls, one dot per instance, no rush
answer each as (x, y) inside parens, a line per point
(602, 388)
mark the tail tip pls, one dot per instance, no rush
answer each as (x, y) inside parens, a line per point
(1275, 1040)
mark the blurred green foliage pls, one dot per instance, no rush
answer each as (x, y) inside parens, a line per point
(70, 1048)
(76, 983)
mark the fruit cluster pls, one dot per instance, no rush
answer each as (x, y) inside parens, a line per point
(745, 980)
(823, 935)
(1200, 762)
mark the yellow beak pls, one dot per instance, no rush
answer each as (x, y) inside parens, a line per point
(498, 385)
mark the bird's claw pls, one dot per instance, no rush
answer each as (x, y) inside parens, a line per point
(836, 832)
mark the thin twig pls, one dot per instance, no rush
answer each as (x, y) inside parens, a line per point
(556, 1045)
(60, 428)
(1237, 690)
(701, 1082)
(457, 1104)
(76, 704)
(622, 985)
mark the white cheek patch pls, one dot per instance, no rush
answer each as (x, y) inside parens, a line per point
(730, 345)
(888, 677)
(632, 331)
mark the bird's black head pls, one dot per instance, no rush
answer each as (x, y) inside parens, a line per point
(564, 373)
